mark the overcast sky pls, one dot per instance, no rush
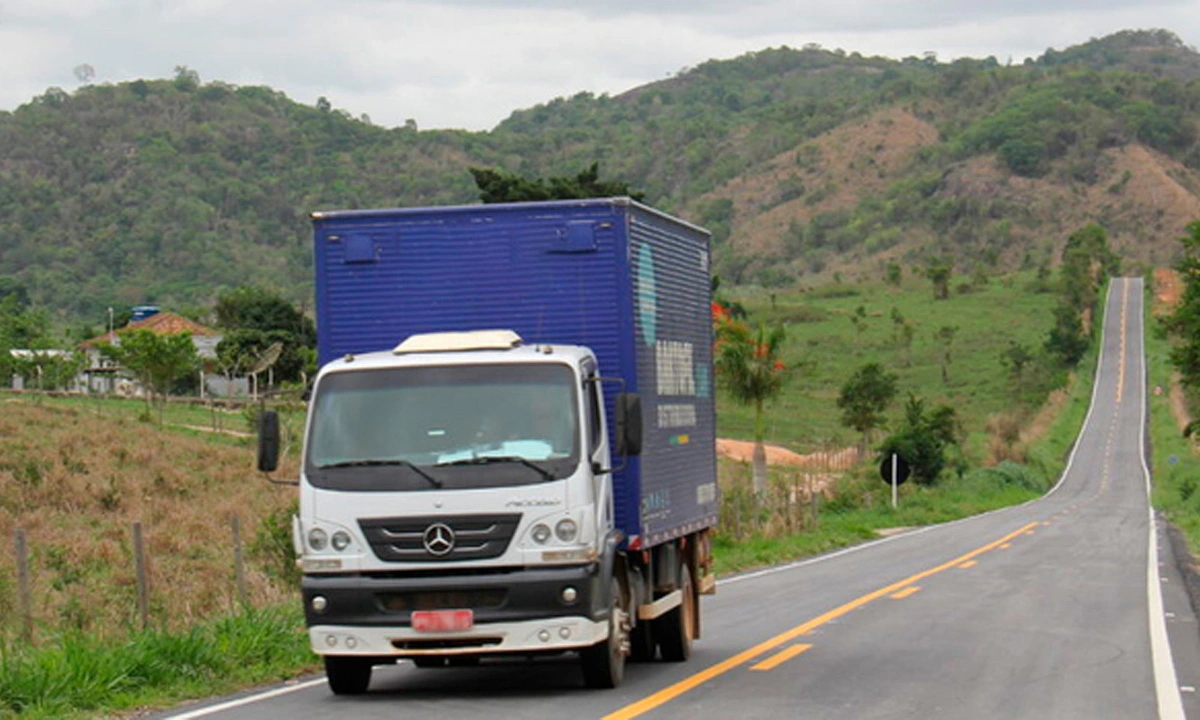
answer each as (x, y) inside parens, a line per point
(469, 63)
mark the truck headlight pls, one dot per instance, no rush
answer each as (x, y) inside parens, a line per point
(541, 533)
(566, 530)
(318, 539)
(341, 540)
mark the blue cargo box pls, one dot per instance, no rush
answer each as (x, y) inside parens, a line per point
(627, 281)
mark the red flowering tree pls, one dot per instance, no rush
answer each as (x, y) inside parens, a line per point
(749, 367)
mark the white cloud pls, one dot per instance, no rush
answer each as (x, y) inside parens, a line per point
(469, 63)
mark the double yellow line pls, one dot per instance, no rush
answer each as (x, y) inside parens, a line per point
(669, 693)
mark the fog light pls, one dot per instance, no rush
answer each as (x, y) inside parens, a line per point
(569, 595)
(331, 640)
(351, 643)
(319, 604)
(564, 632)
(544, 636)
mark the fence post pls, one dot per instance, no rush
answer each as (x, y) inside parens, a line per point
(143, 591)
(23, 587)
(239, 568)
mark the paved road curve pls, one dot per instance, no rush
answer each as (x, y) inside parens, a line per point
(1053, 609)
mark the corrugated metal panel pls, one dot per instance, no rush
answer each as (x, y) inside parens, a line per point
(536, 269)
(673, 290)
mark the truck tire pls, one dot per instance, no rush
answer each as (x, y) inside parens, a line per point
(642, 646)
(675, 629)
(603, 664)
(347, 675)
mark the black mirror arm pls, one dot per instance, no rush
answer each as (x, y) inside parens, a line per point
(273, 481)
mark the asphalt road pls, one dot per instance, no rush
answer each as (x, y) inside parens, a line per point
(1053, 609)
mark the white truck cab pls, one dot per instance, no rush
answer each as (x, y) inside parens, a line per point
(455, 501)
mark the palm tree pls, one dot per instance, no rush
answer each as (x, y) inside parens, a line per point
(748, 366)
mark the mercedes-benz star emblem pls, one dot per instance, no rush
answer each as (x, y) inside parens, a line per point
(439, 539)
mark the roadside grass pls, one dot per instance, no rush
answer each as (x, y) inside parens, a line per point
(82, 675)
(838, 528)
(825, 345)
(1174, 459)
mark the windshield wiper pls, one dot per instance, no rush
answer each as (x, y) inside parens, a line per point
(489, 459)
(385, 463)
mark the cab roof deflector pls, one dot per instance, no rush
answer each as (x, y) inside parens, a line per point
(459, 341)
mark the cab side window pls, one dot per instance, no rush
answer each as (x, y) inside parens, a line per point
(592, 407)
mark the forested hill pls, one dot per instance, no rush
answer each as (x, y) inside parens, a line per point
(802, 162)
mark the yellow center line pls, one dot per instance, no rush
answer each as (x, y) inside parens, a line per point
(671, 692)
(1005, 546)
(780, 658)
(906, 592)
(968, 564)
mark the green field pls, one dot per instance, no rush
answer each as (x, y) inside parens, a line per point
(859, 506)
(824, 347)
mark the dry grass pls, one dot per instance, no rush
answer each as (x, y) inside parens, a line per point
(1004, 438)
(75, 482)
(1039, 426)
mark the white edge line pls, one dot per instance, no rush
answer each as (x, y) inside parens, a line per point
(214, 709)
(918, 531)
(1166, 683)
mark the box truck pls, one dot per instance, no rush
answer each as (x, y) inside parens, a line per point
(510, 443)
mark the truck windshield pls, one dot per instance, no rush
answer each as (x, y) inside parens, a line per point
(453, 426)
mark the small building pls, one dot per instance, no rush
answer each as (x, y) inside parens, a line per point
(102, 373)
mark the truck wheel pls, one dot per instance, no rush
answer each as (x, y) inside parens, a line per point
(642, 646)
(604, 663)
(348, 675)
(675, 628)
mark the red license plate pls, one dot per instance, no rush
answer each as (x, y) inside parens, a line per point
(442, 620)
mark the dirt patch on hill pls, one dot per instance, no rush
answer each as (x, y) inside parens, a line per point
(1167, 291)
(831, 172)
(743, 451)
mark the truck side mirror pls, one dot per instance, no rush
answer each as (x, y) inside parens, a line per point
(629, 424)
(268, 441)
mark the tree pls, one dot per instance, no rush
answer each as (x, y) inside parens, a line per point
(1184, 322)
(1067, 341)
(748, 365)
(865, 397)
(253, 319)
(938, 273)
(894, 274)
(497, 186)
(945, 337)
(156, 360)
(923, 439)
(1016, 358)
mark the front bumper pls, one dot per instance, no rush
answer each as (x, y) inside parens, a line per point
(516, 610)
(532, 636)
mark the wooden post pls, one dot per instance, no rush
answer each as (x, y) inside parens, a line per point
(239, 569)
(143, 591)
(23, 587)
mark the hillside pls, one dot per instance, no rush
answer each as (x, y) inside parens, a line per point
(802, 161)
